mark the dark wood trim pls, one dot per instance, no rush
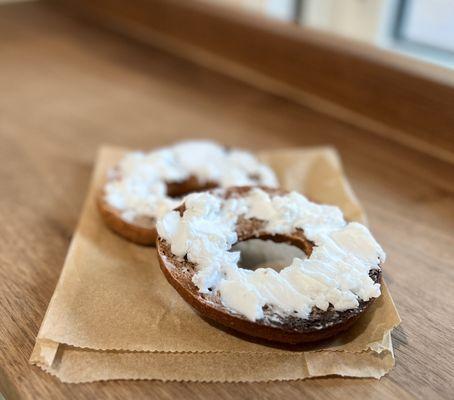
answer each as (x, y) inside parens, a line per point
(392, 95)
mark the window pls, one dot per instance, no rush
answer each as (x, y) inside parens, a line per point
(426, 26)
(285, 10)
(421, 28)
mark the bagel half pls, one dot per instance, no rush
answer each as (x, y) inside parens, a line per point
(273, 327)
(143, 185)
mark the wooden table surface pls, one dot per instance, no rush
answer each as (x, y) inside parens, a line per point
(67, 87)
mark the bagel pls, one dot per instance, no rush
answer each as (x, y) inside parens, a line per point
(312, 299)
(144, 186)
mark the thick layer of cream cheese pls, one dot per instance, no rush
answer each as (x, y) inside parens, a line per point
(140, 188)
(337, 272)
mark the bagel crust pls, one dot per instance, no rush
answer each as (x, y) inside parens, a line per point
(274, 326)
(142, 229)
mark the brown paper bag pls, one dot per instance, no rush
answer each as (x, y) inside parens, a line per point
(114, 316)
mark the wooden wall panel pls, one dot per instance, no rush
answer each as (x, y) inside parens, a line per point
(405, 99)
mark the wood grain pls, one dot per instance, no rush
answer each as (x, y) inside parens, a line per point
(67, 87)
(405, 99)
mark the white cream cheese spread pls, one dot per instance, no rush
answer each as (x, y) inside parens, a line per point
(337, 272)
(137, 187)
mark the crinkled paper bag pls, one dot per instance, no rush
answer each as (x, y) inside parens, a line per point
(114, 316)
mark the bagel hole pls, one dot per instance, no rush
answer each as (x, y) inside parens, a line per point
(177, 190)
(258, 253)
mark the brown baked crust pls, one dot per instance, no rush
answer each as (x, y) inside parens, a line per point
(292, 330)
(143, 229)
